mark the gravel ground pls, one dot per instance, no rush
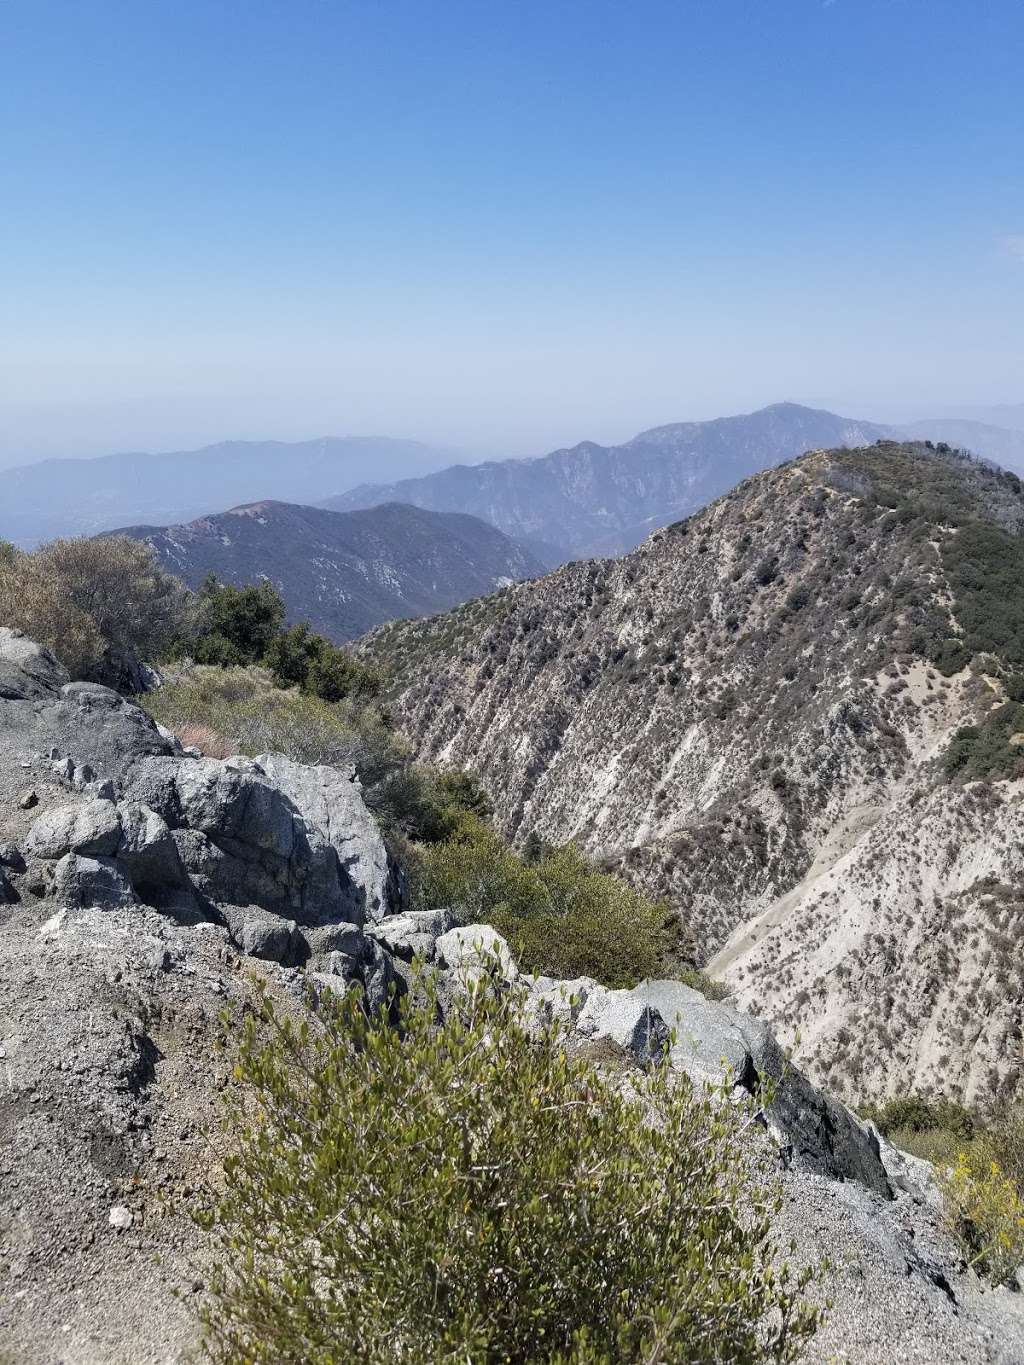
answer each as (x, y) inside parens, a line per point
(109, 1083)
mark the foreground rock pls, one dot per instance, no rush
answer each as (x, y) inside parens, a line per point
(145, 890)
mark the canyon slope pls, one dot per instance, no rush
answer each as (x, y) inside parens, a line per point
(344, 572)
(797, 717)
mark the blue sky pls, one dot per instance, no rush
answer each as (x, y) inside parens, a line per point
(502, 224)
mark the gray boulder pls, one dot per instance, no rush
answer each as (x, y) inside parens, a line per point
(474, 950)
(331, 804)
(258, 933)
(334, 938)
(369, 965)
(711, 1040)
(295, 840)
(101, 730)
(147, 847)
(92, 827)
(28, 672)
(413, 934)
(624, 1019)
(92, 882)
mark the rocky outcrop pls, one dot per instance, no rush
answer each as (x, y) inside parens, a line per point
(272, 849)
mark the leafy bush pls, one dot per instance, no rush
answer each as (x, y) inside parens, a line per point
(243, 708)
(980, 1168)
(911, 1114)
(335, 674)
(985, 1212)
(99, 604)
(985, 568)
(290, 654)
(561, 916)
(233, 626)
(473, 1192)
(990, 749)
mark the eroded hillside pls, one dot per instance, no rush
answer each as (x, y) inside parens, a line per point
(759, 714)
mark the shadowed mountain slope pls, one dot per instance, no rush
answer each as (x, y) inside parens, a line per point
(345, 572)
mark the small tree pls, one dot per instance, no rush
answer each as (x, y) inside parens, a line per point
(290, 654)
(236, 625)
(475, 1192)
(334, 675)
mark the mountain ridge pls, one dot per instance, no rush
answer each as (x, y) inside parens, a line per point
(765, 714)
(588, 497)
(75, 497)
(343, 572)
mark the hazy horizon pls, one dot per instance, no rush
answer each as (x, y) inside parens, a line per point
(503, 230)
(450, 453)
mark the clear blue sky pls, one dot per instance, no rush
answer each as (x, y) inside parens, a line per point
(505, 224)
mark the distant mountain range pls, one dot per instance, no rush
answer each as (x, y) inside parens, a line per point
(1004, 446)
(1000, 415)
(345, 572)
(603, 500)
(82, 497)
(587, 500)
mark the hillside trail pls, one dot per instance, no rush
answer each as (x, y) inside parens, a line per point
(842, 840)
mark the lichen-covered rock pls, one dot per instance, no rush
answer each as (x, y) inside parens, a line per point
(365, 962)
(330, 801)
(474, 949)
(295, 840)
(150, 855)
(28, 672)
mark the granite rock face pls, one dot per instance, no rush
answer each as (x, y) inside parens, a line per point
(269, 847)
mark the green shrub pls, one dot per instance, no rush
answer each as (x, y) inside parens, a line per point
(290, 654)
(980, 1170)
(985, 568)
(242, 710)
(233, 626)
(561, 916)
(94, 602)
(474, 1192)
(334, 674)
(912, 1114)
(990, 749)
(985, 1212)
